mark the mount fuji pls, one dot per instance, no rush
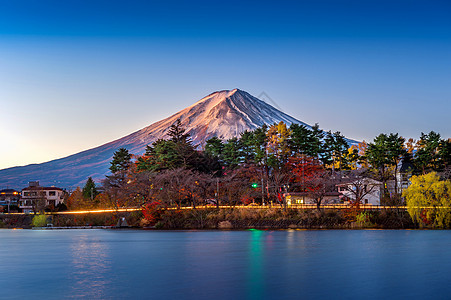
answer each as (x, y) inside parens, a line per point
(224, 114)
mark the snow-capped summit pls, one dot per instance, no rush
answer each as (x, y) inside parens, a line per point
(224, 114)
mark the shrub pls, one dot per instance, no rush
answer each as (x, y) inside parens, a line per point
(152, 212)
(39, 221)
(363, 219)
(393, 219)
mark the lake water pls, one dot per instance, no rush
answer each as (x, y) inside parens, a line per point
(138, 264)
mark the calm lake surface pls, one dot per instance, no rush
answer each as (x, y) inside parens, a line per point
(138, 264)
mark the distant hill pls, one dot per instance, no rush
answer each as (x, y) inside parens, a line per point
(224, 114)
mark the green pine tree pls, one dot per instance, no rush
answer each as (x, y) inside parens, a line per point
(215, 147)
(90, 189)
(121, 161)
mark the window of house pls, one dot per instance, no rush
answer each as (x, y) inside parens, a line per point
(52, 193)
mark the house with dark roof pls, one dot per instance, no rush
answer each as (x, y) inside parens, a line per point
(8, 198)
(404, 174)
(36, 197)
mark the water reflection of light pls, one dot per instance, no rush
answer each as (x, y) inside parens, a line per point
(256, 265)
(90, 267)
(290, 238)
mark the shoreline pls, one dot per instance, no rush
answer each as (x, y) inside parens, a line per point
(219, 230)
(220, 219)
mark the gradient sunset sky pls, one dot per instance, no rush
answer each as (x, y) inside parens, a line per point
(77, 74)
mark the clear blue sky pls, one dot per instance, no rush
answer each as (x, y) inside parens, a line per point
(77, 74)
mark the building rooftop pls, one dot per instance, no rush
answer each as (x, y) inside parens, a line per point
(41, 188)
(8, 191)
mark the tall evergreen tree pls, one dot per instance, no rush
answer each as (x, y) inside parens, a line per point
(445, 152)
(259, 142)
(121, 161)
(386, 151)
(232, 153)
(215, 147)
(162, 155)
(395, 153)
(115, 184)
(327, 153)
(247, 141)
(316, 144)
(340, 148)
(335, 150)
(90, 189)
(300, 140)
(177, 133)
(179, 153)
(376, 155)
(427, 157)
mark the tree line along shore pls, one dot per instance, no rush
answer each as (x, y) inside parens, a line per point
(265, 166)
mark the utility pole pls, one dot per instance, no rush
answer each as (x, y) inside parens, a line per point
(303, 179)
(217, 190)
(263, 194)
(267, 192)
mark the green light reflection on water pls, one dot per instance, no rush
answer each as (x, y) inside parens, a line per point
(256, 265)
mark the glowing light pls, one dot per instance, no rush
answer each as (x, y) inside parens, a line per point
(98, 211)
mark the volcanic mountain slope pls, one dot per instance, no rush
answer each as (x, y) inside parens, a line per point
(224, 114)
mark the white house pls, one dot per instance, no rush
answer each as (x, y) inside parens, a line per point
(306, 198)
(367, 190)
(35, 195)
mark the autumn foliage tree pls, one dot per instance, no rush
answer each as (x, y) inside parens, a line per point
(76, 200)
(277, 158)
(320, 184)
(429, 200)
(152, 212)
